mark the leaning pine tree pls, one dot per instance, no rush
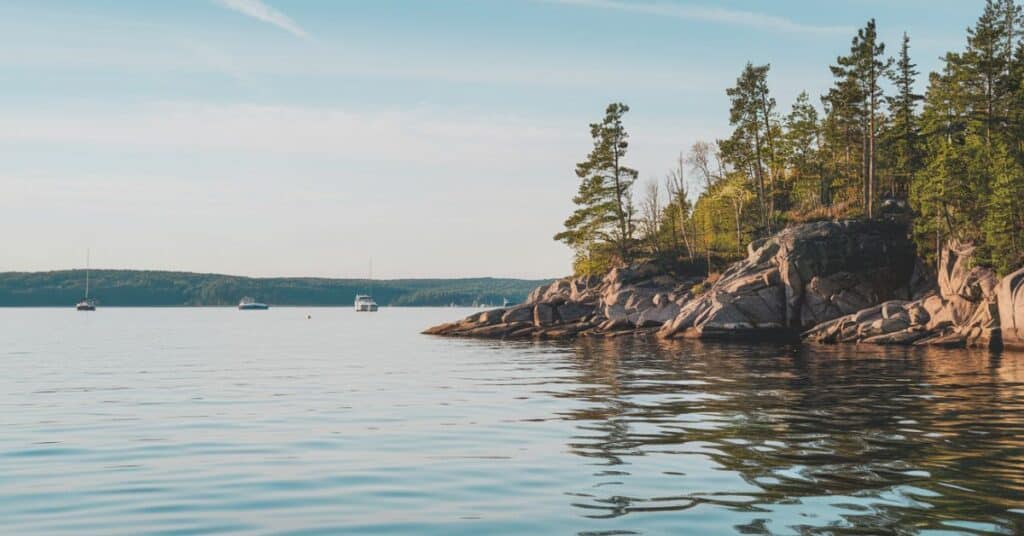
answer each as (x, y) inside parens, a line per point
(600, 230)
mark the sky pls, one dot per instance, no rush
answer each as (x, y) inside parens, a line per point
(436, 137)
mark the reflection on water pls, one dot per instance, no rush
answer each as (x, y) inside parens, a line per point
(820, 439)
(212, 421)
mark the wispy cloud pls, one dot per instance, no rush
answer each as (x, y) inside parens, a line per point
(718, 15)
(260, 11)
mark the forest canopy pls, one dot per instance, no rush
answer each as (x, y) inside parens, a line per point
(951, 158)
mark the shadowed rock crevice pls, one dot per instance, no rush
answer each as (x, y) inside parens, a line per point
(964, 310)
(802, 276)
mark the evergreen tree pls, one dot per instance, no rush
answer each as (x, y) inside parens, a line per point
(860, 74)
(843, 132)
(902, 136)
(751, 146)
(604, 214)
(987, 64)
(802, 142)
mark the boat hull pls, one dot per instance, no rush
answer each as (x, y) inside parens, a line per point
(85, 307)
(253, 307)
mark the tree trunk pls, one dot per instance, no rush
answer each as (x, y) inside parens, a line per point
(871, 155)
(771, 159)
(682, 229)
(866, 192)
(738, 209)
(619, 208)
(759, 171)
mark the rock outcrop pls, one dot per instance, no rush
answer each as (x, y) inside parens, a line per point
(803, 276)
(625, 300)
(962, 311)
(831, 282)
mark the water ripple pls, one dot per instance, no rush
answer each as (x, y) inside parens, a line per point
(206, 421)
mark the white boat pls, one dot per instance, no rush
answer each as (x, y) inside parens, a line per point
(87, 304)
(249, 304)
(365, 304)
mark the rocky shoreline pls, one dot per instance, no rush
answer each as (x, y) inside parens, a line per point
(847, 281)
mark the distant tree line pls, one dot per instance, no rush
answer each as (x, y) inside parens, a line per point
(156, 288)
(955, 154)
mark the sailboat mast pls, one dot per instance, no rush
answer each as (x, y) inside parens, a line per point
(87, 273)
(371, 276)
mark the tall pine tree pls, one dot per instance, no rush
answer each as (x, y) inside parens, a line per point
(902, 135)
(604, 213)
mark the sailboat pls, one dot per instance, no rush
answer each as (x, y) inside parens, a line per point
(364, 302)
(87, 303)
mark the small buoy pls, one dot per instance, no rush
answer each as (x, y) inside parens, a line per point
(308, 317)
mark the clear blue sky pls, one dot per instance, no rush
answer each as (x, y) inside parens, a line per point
(302, 137)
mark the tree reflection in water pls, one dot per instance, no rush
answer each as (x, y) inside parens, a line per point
(810, 439)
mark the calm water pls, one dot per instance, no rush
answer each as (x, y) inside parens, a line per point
(214, 420)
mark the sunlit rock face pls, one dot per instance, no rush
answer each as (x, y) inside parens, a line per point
(802, 276)
(963, 311)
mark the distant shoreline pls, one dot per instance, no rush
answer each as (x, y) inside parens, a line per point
(152, 288)
(272, 306)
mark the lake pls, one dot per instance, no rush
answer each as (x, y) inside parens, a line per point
(179, 421)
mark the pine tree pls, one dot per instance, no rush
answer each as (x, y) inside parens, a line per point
(802, 143)
(859, 77)
(604, 216)
(843, 129)
(987, 63)
(751, 146)
(902, 136)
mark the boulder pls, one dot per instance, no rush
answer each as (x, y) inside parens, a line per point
(492, 316)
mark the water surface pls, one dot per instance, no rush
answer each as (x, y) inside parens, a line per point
(130, 421)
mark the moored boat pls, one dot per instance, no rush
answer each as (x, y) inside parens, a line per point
(249, 304)
(87, 303)
(365, 304)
